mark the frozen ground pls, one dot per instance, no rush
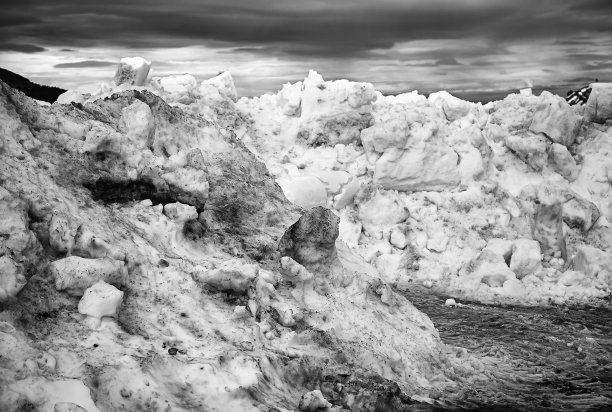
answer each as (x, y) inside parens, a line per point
(150, 260)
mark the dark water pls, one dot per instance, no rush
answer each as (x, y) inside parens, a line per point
(561, 356)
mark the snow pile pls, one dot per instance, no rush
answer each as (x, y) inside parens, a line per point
(343, 145)
(434, 180)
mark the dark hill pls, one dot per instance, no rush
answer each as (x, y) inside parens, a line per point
(33, 90)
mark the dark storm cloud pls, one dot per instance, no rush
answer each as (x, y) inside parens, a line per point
(22, 48)
(320, 29)
(85, 63)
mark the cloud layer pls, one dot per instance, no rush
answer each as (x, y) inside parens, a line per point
(454, 44)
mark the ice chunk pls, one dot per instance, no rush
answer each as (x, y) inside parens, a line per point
(76, 274)
(179, 88)
(12, 279)
(224, 83)
(139, 123)
(453, 107)
(599, 106)
(180, 212)
(289, 99)
(133, 71)
(398, 238)
(502, 247)
(101, 300)
(580, 213)
(530, 148)
(231, 276)
(424, 167)
(383, 208)
(526, 257)
(562, 161)
(556, 119)
(349, 228)
(313, 401)
(591, 260)
(305, 191)
(491, 269)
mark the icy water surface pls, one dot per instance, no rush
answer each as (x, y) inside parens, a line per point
(561, 355)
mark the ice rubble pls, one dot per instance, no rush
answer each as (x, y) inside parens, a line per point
(236, 298)
(155, 263)
(529, 171)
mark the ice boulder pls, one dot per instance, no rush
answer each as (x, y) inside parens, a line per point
(491, 269)
(101, 300)
(304, 191)
(548, 226)
(12, 279)
(313, 401)
(349, 228)
(410, 155)
(75, 274)
(311, 240)
(421, 168)
(383, 208)
(289, 99)
(592, 261)
(599, 106)
(530, 148)
(452, 107)
(178, 88)
(180, 212)
(341, 186)
(132, 71)
(526, 257)
(332, 112)
(579, 212)
(235, 276)
(562, 162)
(556, 119)
(224, 83)
(139, 124)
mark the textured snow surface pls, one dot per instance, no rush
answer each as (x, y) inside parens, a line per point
(152, 258)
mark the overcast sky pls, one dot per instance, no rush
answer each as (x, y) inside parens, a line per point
(457, 45)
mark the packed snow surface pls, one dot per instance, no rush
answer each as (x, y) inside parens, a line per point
(175, 247)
